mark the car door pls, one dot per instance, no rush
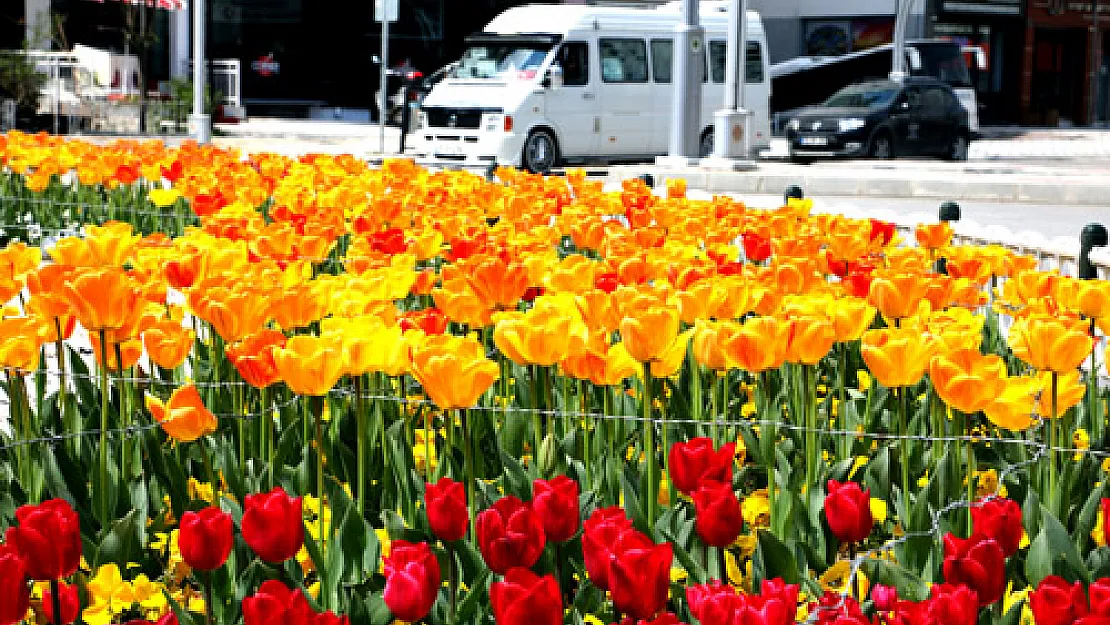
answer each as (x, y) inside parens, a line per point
(905, 121)
(574, 108)
(937, 128)
(626, 96)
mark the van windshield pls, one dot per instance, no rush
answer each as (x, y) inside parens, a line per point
(502, 62)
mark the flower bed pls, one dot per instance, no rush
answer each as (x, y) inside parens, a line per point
(247, 389)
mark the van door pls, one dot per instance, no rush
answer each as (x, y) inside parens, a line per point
(662, 97)
(573, 109)
(625, 95)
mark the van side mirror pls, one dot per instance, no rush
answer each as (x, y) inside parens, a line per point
(903, 106)
(554, 78)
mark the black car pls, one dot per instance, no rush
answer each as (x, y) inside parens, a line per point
(882, 119)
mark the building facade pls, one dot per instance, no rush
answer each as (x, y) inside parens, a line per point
(821, 28)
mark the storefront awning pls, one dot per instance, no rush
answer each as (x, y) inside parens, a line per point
(168, 5)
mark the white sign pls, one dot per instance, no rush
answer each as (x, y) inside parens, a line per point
(390, 9)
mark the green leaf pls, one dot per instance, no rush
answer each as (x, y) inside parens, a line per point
(909, 585)
(632, 505)
(469, 604)
(696, 571)
(118, 543)
(359, 545)
(1054, 553)
(377, 612)
(773, 559)
(184, 617)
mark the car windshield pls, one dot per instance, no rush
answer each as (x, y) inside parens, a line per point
(502, 62)
(862, 97)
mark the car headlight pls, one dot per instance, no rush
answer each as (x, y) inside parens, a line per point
(491, 122)
(848, 125)
(793, 125)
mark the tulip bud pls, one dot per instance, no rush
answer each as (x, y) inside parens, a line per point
(548, 461)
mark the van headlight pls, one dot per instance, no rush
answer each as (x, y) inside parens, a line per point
(849, 125)
(793, 125)
(491, 122)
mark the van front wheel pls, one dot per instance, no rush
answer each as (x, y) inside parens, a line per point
(540, 152)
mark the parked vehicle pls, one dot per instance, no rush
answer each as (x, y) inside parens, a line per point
(808, 80)
(544, 85)
(883, 119)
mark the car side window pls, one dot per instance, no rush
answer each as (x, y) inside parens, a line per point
(574, 58)
(913, 96)
(662, 60)
(624, 60)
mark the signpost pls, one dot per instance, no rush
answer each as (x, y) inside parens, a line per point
(199, 122)
(385, 11)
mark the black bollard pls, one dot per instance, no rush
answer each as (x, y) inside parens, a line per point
(793, 192)
(491, 171)
(648, 179)
(949, 211)
(1092, 236)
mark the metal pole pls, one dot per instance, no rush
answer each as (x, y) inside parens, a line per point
(730, 124)
(689, 66)
(383, 97)
(199, 121)
(1096, 62)
(57, 89)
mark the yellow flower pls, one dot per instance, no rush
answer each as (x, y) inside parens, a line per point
(201, 491)
(756, 509)
(836, 579)
(110, 596)
(987, 484)
(163, 198)
(1098, 534)
(1081, 441)
(863, 378)
(149, 594)
(878, 510)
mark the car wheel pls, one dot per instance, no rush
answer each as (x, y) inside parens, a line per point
(882, 146)
(541, 153)
(958, 150)
(705, 144)
(799, 160)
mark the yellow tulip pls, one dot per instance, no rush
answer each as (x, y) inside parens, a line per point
(1014, 408)
(967, 380)
(896, 357)
(454, 371)
(310, 365)
(649, 332)
(760, 344)
(1050, 343)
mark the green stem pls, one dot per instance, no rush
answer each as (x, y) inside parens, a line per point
(904, 447)
(767, 447)
(810, 427)
(270, 438)
(56, 601)
(1052, 427)
(651, 495)
(537, 422)
(379, 410)
(586, 459)
(468, 460)
(208, 596)
(105, 406)
(971, 466)
(452, 585)
(428, 434)
(363, 442)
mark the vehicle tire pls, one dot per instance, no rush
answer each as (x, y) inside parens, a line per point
(541, 152)
(705, 143)
(882, 146)
(958, 149)
(800, 160)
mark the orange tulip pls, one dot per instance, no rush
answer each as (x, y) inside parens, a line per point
(710, 343)
(21, 340)
(896, 357)
(121, 354)
(967, 380)
(183, 272)
(233, 313)
(1050, 344)
(1013, 408)
(811, 337)
(168, 343)
(1090, 298)
(649, 332)
(309, 365)
(534, 339)
(1070, 390)
(728, 298)
(898, 295)
(672, 358)
(453, 371)
(253, 357)
(112, 244)
(933, 236)
(850, 317)
(602, 364)
(760, 344)
(499, 284)
(184, 417)
(298, 306)
(102, 299)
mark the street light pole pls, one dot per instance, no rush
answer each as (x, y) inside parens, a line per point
(731, 141)
(689, 65)
(199, 122)
(1096, 62)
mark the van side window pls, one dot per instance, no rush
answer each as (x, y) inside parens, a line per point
(717, 56)
(574, 58)
(624, 60)
(754, 60)
(662, 60)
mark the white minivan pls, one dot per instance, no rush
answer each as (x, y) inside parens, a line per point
(544, 85)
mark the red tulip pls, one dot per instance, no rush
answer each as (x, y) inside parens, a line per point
(693, 462)
(977, 562)
(273, 525)
(448, 515)
(1106, 521)
(1056, 602)
(391, 241)
(277, 603)
(884, 597)
(601, 532)
(1100, 596)
(848, 511)
(883, 229)
(715, 603)
(206, 538)
(556, 502)
(719, 604)
(953, 605)
(412, 580)
(70, 603)
(756, 248)
(719, 519)
(832, 609)
(999, 519)
(510, 534)
(524, 598)
(607, 281)
(1093, 619)
(14, 591)
(331, 618)
(665, 618)
(48, 538)
(787, 594)
(639, 579)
